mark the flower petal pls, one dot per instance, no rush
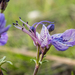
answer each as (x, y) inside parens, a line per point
(59, 45)
(69, 35)
(3, 39)
(44, 37)
(2, 20)
(45, 43)
(56, 36)
(44, 33)
(64, 40)
(38, 35)
(5, 29)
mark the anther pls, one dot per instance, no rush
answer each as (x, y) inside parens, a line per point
(23, 24)
(16, 24)
(13, 23)
(19, 17)
(22, 28)
(27, 22)
(16, 21)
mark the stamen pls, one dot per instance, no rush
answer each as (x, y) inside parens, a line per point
(13, 23)
(27, 22)
(16, 24)
(16, 21)
(19, 17)
(22, 28)
(23, 24)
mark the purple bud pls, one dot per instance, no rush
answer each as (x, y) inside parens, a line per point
(50, 27)
(32, 28)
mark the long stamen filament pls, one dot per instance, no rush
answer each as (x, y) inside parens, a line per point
(25, 23)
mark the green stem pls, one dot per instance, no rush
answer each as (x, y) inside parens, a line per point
(37, 62)
(37, 65)
(37, 57)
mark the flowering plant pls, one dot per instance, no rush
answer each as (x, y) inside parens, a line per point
(44, 40)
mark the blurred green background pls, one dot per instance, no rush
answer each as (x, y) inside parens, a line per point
(61, 12)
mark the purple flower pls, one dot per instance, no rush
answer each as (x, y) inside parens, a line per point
(3, 30)
(60, 41)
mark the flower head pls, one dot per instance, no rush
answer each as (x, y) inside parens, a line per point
(37, 38)
(3, 30)
(60, 41)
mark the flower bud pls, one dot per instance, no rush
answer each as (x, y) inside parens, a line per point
(50, 27)
(3, 5)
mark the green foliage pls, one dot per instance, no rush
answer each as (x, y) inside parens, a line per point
(3, 61)
(21, 65)
(33, 60)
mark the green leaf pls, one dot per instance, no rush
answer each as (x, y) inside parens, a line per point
(9, 62)
(44, 55)
(3, 58)
(45, 61)
(2, 61)
(3, 69)
(33, 60)
(40, 62)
